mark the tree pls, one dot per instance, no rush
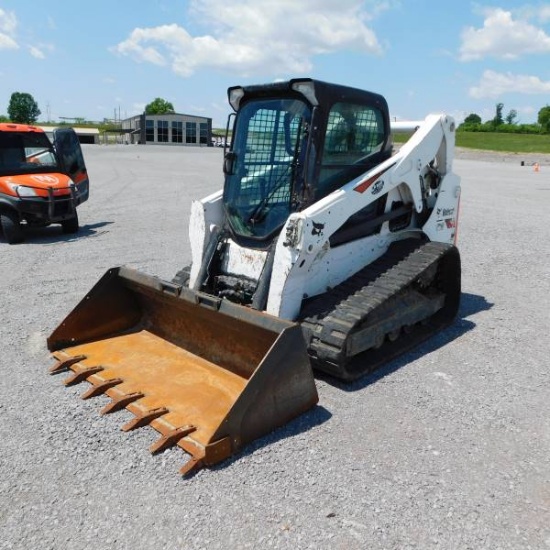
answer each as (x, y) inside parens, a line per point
(511, 117)
(159, 106)
(23, 109)
(544, 118)
(472, 118)
(4, 118)
(498, 120)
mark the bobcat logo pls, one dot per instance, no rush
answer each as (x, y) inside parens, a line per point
(377, 187)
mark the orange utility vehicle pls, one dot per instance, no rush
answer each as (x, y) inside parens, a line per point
(40, 182)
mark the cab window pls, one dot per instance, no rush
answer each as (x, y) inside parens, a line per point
(354, 133)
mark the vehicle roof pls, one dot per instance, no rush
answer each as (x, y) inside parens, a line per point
(12, 127)
(325, 93)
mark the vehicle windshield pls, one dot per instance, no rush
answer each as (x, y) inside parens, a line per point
(26, 153)
(268, 146)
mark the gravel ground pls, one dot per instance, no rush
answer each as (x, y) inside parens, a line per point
(528, 159)
(447, 447)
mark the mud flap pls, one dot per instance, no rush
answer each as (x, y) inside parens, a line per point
(209, 375)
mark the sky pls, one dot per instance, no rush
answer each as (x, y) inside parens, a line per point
(104, 59)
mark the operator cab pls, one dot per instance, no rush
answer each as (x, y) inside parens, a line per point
(292, 144)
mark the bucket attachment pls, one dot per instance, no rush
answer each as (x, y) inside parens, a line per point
(209, 375)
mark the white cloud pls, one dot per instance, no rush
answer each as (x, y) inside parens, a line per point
(36, 52)
(132, 45)
(39, 50)
(540, 13)
(256, 36)
(493, 84)
(7, 43)
(503, 37)
(544, 13)
(8, 24)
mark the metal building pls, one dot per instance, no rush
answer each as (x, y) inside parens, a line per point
(85, 135)
(168, 129)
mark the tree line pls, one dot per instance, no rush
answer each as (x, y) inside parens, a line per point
(508, 123)
(23, 109)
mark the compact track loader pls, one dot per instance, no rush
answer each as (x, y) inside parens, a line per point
(325, 249)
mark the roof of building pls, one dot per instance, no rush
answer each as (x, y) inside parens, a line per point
(77, 129)
(169, 115)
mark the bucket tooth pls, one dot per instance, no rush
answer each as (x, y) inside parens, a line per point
(144, 419)
(171, 438)
(100, 389)
(64, 364)
(120, 402)
(193, 464)
(81, 374)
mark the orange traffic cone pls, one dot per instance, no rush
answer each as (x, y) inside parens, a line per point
(536, 167)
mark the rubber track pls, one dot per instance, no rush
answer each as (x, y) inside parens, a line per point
(329, 320)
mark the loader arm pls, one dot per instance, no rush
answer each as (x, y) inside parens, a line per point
(305, 244)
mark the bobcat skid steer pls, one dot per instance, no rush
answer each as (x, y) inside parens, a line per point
(324, 249)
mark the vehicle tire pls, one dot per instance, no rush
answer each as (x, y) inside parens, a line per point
(11, 227)
(70, 225)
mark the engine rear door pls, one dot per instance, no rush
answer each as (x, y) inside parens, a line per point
(71, 160)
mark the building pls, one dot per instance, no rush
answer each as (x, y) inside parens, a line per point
(168, 129)
(85, 135)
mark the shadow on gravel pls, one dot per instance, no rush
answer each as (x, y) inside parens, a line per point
(315, 417)
(53, 234)
(470, 304)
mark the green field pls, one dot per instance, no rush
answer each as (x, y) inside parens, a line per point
(494, 141)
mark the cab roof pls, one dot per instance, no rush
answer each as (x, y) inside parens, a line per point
(12, 127)
(317, 92)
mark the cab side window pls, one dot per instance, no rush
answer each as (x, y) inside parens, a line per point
(354, 133)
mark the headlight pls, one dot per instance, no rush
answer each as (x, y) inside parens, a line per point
(22, 191)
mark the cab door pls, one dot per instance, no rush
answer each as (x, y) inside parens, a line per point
(71, 160)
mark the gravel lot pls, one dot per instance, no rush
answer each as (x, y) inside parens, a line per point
(447, 447)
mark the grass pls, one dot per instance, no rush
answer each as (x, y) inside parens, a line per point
(494, 141)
